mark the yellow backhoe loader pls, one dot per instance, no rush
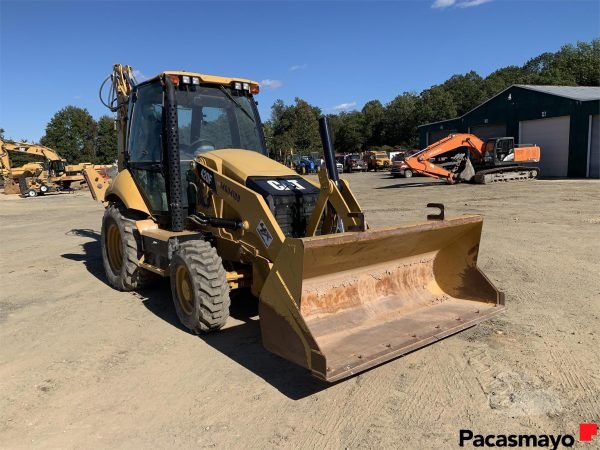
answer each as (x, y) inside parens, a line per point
(197, 200)
(34, 178)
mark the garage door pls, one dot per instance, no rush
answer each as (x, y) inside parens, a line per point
(595, 147)
(552, 135)
(489, 130)
(436, 135)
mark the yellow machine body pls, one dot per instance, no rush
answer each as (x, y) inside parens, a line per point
(337, 300)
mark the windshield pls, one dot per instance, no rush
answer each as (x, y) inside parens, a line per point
(212, 118)
(57, 166)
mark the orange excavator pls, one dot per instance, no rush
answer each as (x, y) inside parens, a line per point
(465, 157)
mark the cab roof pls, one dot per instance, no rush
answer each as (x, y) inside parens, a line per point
(214, 79)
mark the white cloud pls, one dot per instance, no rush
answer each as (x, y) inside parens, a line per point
(271, 84)
(139, 76)
(443, 4)
(298, 67)
(470, 3)
(344, 107)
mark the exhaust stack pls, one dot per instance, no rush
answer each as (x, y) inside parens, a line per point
(328, 153)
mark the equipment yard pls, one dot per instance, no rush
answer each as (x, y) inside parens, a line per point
(84, 366)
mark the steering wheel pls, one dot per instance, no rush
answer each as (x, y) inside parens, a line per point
(192, 147)
(197, 143)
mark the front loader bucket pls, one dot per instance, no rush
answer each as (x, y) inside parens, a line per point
(340, 304)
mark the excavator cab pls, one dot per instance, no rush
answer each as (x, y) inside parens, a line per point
(56, 168)
(499, 151)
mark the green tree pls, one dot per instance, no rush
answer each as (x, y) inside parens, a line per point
(350, 137)
(502, 78)
(106, 142)
(295, 127)
(435, 104)
(72, 133)
(401, 120)
(467, 91)
(571, 66)
(306, 127)
(373, 123)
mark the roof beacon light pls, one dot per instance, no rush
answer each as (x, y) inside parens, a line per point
(254, 88)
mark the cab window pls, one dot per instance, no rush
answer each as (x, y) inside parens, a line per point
(145, 138)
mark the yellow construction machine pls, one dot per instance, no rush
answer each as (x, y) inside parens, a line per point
(34, 178)
(197, 200)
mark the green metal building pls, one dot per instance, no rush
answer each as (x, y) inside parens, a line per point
(563, 120)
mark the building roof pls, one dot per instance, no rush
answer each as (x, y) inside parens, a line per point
(582, 93)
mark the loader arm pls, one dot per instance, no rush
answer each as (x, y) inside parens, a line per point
(420, 163)
(96, 183)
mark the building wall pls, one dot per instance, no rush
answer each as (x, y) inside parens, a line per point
(518, 104)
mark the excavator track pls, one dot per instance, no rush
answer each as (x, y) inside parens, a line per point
(513, 173)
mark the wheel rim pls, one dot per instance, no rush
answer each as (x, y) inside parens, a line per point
(113, 247)
(185, 295)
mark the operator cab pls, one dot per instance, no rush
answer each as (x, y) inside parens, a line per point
(210, 116)
(56, 168)
(499, 151)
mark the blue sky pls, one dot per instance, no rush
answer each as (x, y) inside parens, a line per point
(336, 55)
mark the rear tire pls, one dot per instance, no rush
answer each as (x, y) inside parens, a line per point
(32, 193)
(199, 287)
(408, 173)
(122, 249)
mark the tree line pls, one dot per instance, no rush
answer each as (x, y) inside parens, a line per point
(383, 126)
(76, 136)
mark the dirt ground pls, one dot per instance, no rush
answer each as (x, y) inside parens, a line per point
(85, 366)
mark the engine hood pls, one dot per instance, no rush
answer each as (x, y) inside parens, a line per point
(239, 164)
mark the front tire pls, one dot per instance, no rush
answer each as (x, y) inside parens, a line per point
(122, 250)
(199, 287)
(408, 173)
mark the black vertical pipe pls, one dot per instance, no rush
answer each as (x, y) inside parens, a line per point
(171, 143)
(330, 163)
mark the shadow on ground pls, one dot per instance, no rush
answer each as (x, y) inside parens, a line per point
(92, 254)
(240, 342)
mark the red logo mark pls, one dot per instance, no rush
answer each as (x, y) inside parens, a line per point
(587, 431)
